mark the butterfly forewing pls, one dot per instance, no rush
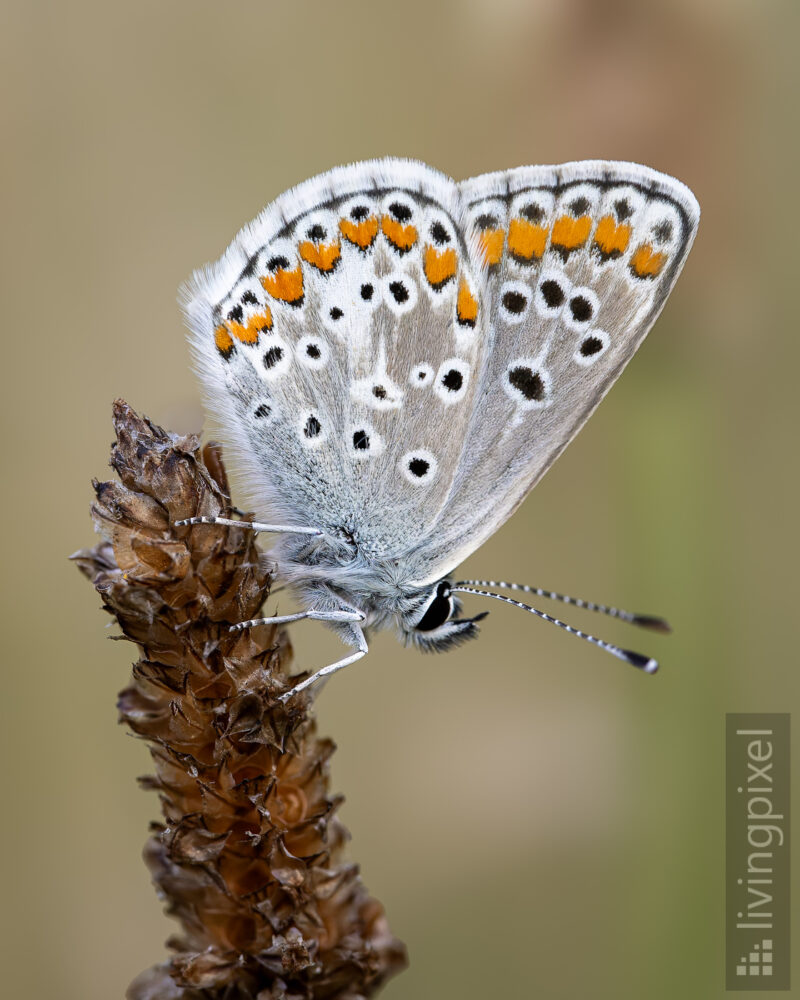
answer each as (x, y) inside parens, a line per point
(340, 342)
(577, 262)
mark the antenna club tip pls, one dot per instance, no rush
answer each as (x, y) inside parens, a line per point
(644, 663)
(653, 623)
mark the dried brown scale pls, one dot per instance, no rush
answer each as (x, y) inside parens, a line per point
(248, 857)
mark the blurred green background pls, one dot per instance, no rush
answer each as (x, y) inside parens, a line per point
(538, 819)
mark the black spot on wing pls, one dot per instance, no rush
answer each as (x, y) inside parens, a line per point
(552, 293)
(581, 308)
(515, 302)
(400, 212)
(273, 356)
(590, 346)
(399, 292)
(361, 440)
(528, 382)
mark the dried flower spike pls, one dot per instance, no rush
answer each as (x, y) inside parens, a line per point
(248, 856)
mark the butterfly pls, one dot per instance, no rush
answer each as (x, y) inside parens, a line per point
(396, 359)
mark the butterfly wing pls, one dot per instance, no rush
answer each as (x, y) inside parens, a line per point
(576, 263)
(338, 344)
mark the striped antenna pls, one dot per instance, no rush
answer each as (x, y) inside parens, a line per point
(645, 663)
(652, 622)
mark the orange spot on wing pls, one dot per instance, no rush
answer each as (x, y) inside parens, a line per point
(248, 333)
(287, 286)
(440, 266)
(491, 245)
(400, 236)
(569, 233)
(323, 256)
(526, 240)
(362, 234)
(242, 333)
(265, 318)
(223, 341)
(612, 239)
(646, 262)
(466, 305)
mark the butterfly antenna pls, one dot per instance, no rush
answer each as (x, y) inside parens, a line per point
(645, 663)
(652, 622)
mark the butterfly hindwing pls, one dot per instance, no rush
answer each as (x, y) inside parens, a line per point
(339, 341)
(577, 262)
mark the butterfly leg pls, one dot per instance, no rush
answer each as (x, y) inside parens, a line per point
(255, 525)
(362, 650)
(340, 615)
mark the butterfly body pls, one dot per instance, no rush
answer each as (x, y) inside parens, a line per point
(396, 359)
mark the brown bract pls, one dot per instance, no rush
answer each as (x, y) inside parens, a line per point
(248, 856)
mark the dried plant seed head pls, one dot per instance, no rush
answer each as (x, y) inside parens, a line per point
(248, 854)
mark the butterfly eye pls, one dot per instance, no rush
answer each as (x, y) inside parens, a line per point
(438, 611)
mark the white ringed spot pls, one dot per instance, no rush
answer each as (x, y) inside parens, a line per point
(591, 347)
(452, 380)
(515, 300)
(363, 441)
(399, 292)
(551, 293)
(527, 383)
(418, 467)
(312, 352)
(581, 309)
(421, 376)
(312, 428)
(275, 359)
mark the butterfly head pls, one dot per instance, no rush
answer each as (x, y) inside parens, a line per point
(431, 622)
